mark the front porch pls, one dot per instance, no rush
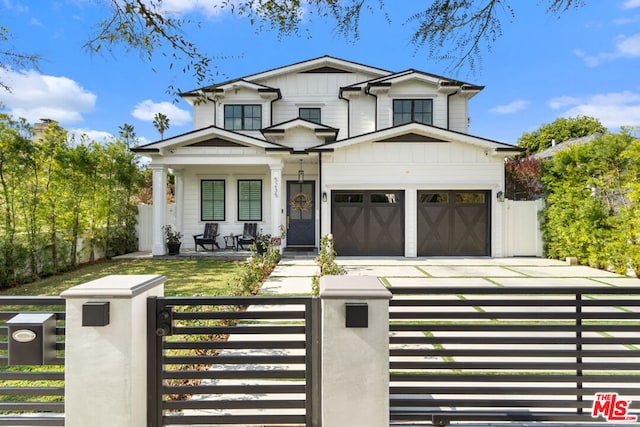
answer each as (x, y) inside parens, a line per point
(219, 254)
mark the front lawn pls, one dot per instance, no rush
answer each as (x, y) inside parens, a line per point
(184, 277)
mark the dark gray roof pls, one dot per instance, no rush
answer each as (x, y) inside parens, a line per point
(551, 151)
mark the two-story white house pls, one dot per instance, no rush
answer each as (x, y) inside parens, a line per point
(381, 159)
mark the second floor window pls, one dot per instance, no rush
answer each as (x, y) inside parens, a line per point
(310, 114)
(243, 117)
(412, 110)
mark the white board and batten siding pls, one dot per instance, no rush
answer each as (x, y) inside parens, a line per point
(314, 90)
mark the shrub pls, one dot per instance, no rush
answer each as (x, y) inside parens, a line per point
(255, 271)
(593, 203)
(326, 261)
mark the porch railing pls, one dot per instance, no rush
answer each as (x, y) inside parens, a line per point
(32, 395)
(512, 353)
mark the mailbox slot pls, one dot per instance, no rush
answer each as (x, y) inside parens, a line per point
(32, 339)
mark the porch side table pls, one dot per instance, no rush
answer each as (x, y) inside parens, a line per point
(230, 242)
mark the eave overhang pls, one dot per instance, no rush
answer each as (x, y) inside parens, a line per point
(419, 133)
(321, 131)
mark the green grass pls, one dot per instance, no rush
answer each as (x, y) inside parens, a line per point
(184, 277)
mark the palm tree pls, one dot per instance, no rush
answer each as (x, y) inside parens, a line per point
(127, 134)
(161, 122)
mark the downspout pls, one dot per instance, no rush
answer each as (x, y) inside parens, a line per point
(375, 116)
(348, 113)
(215, 111)
(320, 192)
(279, 97)
(213, 99)
(449, 107)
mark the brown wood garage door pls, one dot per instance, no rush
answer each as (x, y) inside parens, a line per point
(454, 223)
(368, 222)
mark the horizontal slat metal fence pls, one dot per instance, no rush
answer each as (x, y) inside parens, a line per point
(511, 353)
(242, 360)
(32, 395)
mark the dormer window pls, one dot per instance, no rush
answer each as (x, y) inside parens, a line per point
(243, 117)
(412, 110)
(310, 114)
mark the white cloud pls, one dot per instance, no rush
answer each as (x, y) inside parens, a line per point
(15, 6)
(613, 109)
(512, 107)
(629, 46)
(563, 101)
(624, 47)
(146, 110)
(208, 8)
(91, 135)
(35, 96)
(631, 4)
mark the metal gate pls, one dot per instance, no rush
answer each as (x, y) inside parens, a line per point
(240, 360)
(514, 353)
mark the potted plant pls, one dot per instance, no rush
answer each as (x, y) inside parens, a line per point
(173, 239)
(263, 241)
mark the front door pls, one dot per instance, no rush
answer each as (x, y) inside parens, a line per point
(301, 213)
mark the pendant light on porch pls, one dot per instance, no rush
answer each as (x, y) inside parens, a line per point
(300, 173)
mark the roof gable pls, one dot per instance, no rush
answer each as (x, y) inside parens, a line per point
(323, 64)
(215, 142)
(411, 137)
(211, 136)
(442, 83)
(326, 70)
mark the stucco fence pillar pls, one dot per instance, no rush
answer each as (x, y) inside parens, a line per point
(355, 351)
(106, 364)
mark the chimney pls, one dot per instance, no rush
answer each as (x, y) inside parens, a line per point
(553, 142)
(38, 128)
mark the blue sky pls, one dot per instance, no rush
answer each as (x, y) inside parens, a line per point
(585, 62)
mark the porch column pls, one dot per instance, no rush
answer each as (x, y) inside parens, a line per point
(106, 351)
(179, 174)
(355, 351)
(159, 208)
(276, 200)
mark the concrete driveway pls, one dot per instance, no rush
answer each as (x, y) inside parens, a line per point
(293, 276)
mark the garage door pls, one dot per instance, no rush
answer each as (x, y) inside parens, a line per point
(453, 223)
(368, 222)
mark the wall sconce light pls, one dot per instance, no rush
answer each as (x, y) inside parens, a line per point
(500, 196)
(300, 173)
(324, 196)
